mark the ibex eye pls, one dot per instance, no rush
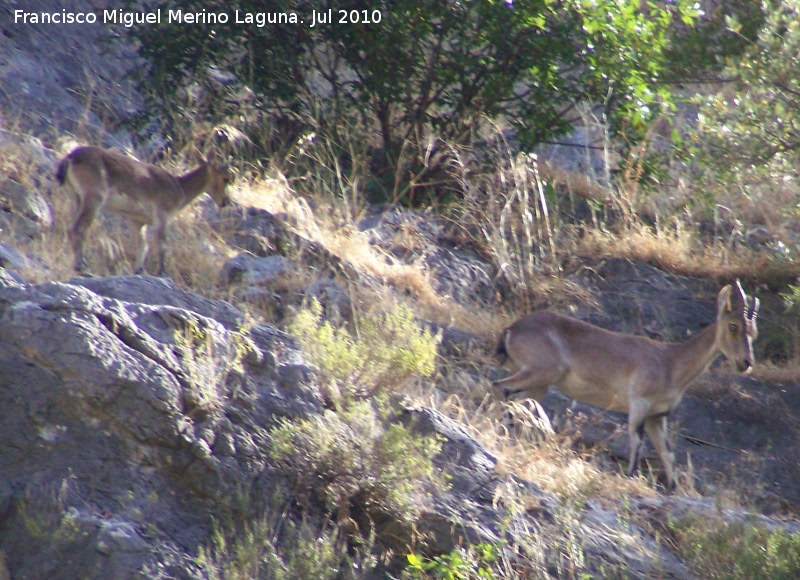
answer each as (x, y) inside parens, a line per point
(733, 327)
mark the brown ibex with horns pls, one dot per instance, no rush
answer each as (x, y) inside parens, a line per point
(620, 372)
(148, 195)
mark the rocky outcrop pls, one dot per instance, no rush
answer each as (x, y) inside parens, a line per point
(457, 269)
(65, 78)
(130, 408)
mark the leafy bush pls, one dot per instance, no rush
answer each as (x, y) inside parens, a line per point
(273, 548)
(699, 53)
(474, 562)
(748, 135)
(756, 126)
(356, 461)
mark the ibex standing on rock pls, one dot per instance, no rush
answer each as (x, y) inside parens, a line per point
(620, 372)
(148, 195)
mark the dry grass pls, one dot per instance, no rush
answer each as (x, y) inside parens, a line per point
(52, 252)
(196, 253)
(271, 193)
(787, 373)
(680, 251)
(409, 282)
(524, 448)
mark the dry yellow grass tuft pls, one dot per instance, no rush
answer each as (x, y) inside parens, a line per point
(196, 252)
(787, 373)
(554, 467)
(678, 250)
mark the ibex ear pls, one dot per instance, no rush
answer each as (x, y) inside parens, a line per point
(724, 300)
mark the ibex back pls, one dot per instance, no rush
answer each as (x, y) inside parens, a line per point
(148, 195)
(619, 372)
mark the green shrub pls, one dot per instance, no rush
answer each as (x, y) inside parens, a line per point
(747, 137)
(273, 548)
(718, 549)
(427, 74)
(389, 349)
(474, 562)
(206, 363)
(754, 129)
(354, 458)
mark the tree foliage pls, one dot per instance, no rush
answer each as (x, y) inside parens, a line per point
(423, 75)
(700, 53)
(752, 126)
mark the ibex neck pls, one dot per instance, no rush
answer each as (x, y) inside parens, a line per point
(691, 358)
(194, 183)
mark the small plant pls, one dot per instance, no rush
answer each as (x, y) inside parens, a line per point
(388, 350)
(474, 562)
(355, 460)
(719, 549)
(352, 459)
(792, 297)
(272, 548)
(207, 363)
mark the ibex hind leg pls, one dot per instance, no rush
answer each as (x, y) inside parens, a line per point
(530, 381)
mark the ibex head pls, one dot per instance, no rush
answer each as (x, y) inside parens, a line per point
(736, 326)
(219, 176)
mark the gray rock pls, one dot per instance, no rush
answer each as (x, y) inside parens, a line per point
(25, 203)
(126, 421)
(412, 237)
(11, 258)
(65, 78)
(335, 301)
(255, 271)
(477, 509)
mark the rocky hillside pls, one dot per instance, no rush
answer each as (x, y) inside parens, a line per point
(127, 438)
(65, 79)
(126, 442)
